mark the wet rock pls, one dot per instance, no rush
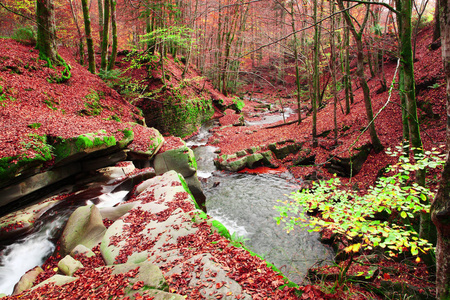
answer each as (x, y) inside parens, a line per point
(195, 187)
(119, 170)
(68, 265)
(85, 227)
(27, 280)
(23, 220)
(146, 143)
(37, 182)
(203, 267)
(252, 160)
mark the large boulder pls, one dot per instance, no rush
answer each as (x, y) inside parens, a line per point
(180, 159)
(85, 227)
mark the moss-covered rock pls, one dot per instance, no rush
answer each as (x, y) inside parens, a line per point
(70, 149)
(180, 159)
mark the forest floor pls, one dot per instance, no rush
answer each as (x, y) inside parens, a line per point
(430, 90)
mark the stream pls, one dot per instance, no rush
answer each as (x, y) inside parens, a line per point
(242, 202)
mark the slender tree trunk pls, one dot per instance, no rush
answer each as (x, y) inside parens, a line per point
(297, 71)
(437, 27)
(100, 19)
(376, 143)
(333, 70)
(105, 41)
(80, 36)
(46, 30)
(316, 88)
(405, 33)
(89, 41)
(112, 58)
(347, 78)
(440, 208)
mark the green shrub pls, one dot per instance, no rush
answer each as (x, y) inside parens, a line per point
(26, 35)
(358, 218)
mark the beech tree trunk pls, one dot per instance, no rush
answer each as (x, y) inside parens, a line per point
(46, 30)
(89, 41)
(404, 8)
(112, 58)
(440, 208)
(105, 41)
(437, 18)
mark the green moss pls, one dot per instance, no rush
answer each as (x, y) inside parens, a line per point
(128, 133)
(181, 116)
(40, 152)
(67, 147)
(83, 142)
(34, 125)
(186, 188)
(223, 231)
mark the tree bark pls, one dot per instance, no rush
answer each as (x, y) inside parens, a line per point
(404, 7)
(80, 36)
(440, 208)
(46, 30)
(112, 58)
(105, 41)
(437, 20)
(89, 41)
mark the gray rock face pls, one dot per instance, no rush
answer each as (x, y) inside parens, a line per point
(68, 265)
(85, 227)
(181, 160)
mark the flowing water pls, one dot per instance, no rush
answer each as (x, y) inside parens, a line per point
(244, 203)
(33, 249)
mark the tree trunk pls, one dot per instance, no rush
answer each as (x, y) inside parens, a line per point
(297, 71)
(406, 54)
(89, 41)
(100, 19)
(80, 36)
(377, 146)
(112, 59)
(440, 208)
(437, 20)
(46, 30)
(105, 41)
(316, 92)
